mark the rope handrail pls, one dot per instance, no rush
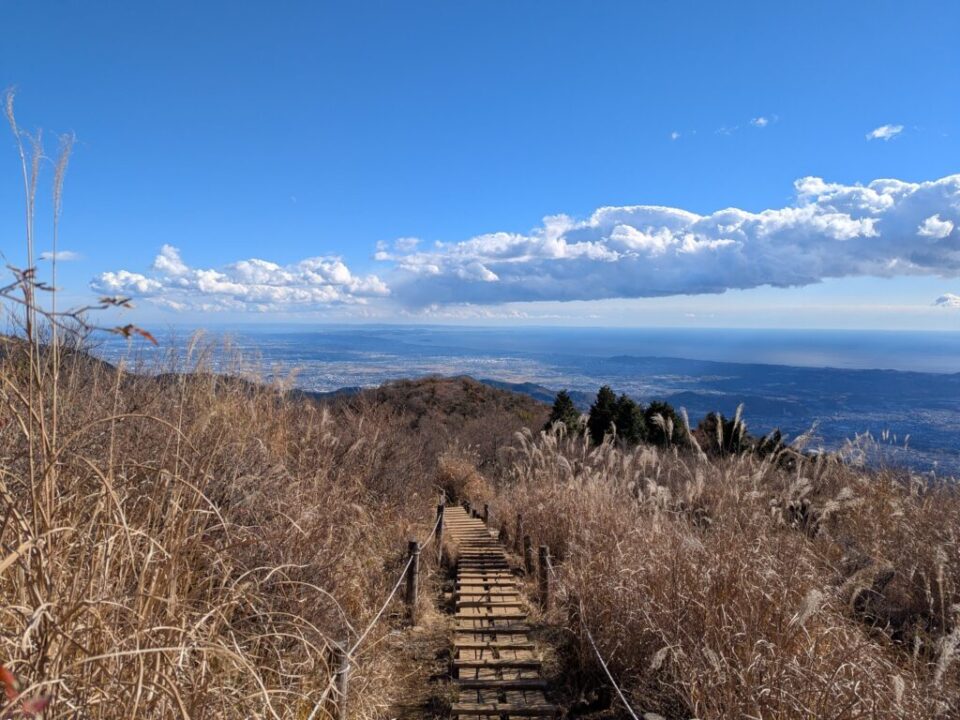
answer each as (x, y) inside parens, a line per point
(433, 533)
(593, 644)
(386, 604)
(376, 618)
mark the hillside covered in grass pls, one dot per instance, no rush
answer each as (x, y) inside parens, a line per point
(182, 544)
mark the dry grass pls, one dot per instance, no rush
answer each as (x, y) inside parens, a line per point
(458, 478)
(193, 544)
(731, 588)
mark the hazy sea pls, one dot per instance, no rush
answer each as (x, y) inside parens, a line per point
(842, 382)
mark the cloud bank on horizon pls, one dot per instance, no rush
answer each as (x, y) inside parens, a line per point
(883, 229)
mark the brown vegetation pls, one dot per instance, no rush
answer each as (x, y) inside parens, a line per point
(461, 411)
(729, 587)
(193, 547)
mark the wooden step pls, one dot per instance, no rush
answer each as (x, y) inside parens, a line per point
(488, 575)
(497, 663)
(474, 645)
(505, 630)
(485, 575)
(490, 616)
(493, 684)
(498, 709)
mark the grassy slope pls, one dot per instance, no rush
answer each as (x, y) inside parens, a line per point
(729, 587)
(221, 534)
(188, 544)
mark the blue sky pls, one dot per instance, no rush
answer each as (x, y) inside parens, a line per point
(312, 137)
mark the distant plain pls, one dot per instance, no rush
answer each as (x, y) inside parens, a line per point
(902, 387)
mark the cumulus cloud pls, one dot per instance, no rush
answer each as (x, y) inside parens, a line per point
(253, 284)
(948, 300)
(885, 132)
(760, 122)
(935, 227)
(831, 230)
(61, 255)
(675, 135)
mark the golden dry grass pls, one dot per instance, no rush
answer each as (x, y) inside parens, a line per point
(731, 588)
(192, 544)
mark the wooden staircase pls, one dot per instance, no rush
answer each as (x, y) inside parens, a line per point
(494, 664)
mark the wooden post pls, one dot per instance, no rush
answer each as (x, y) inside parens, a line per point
(544, 558)
(413, 550)
(466, 506)
(528, 554)
(486, 514)
(504, 533)
(518, 535)
(439, 533)
(341, 663)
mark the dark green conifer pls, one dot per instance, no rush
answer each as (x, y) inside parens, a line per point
(564, 411)
(602, 414)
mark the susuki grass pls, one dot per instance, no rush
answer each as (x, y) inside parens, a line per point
(193, 544)
(729, 588)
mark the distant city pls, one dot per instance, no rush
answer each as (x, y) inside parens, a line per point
(901, 387)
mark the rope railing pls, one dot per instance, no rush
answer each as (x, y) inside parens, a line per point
(343, 657)
(593, 643)
(386, 604)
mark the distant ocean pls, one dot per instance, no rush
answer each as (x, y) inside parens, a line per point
(847, 382)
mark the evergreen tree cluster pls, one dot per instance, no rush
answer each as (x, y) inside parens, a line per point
(630, 421)
(658, 424)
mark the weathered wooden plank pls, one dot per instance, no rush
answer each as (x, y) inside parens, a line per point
(498, 709)
(494, 684)
(498, 663)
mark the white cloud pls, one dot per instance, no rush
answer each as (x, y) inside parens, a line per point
(760, 122)
(832, 230)
(675, 135)
(61, 255)
(935, 227)
(885, 132)
(948, 300)
(168, 262)
(253, 284)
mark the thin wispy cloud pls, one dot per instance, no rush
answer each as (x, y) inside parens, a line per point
(760, 121)
(61, 255)
(675, 135)
(885, 228)
(247, 285)
(885, 132)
